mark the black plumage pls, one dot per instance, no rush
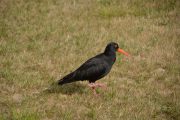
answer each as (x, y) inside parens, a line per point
(95, 68)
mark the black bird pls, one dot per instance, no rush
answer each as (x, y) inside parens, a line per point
(95, 68)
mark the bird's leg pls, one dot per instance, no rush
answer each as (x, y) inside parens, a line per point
(101, 85)
(93, 86)
(94, 92)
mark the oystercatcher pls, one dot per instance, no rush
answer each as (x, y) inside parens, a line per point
(95, 68)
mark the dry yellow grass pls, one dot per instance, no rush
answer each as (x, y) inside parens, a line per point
(41, 41)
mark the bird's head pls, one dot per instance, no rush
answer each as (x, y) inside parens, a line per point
(113, 47)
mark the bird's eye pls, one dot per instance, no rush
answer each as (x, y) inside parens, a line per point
(115, 46)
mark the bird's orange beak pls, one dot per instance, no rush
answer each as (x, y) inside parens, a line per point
(123, 52)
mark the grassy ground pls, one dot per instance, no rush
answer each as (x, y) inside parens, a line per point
(43, 40)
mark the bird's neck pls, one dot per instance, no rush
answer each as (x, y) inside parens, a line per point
(111, 56)
(109, 52)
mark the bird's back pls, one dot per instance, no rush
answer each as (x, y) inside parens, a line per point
(92, 70)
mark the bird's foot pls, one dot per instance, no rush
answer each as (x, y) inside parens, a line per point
(94, 85)
(95, 93)
(101, 85)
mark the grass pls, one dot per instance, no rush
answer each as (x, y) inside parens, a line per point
(41, 41)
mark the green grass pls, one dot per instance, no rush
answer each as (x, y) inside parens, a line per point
(41, 41)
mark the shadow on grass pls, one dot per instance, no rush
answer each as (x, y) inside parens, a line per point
(68, 89)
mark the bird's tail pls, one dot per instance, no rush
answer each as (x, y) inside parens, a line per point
(67, 79)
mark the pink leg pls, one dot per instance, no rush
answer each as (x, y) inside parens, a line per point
(94, 85)
(101, 85)
(95, 93)
(97, 85)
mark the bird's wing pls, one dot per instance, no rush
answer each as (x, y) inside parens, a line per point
(92, 69)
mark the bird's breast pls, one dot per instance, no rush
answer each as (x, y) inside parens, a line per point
(114, 59)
